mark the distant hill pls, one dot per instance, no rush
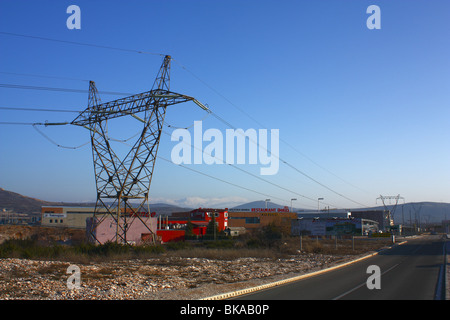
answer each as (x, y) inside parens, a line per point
(422, 212)
(166, 209)
(259, 204)
(22, 204)
(419, 212)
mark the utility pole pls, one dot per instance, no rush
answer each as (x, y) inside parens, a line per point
(417, 214)
(403, 217)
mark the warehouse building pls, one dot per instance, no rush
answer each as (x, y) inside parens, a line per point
(256, 218)
(333, 227)
(72, 217)
(68, 217)
(324, 214)
(382, 217)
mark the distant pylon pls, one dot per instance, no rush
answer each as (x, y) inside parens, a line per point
(390, 213)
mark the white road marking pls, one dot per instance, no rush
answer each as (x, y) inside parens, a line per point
(362, 285)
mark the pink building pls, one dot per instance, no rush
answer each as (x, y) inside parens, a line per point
(138, 230)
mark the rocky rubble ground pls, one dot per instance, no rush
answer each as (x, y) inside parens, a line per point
(159, 278)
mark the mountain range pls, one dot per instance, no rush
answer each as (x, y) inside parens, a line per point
(419, 211)
(18, 203)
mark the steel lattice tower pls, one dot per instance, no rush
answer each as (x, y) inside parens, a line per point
(127, 182)
(390, 213)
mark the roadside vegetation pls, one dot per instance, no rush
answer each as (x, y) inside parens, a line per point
(269, 242)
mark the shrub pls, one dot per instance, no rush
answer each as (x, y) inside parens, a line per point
(220, 244)
(178, 245)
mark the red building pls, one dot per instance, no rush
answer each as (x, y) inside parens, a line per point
(173, 228)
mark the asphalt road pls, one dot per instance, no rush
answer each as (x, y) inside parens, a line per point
(408, 272)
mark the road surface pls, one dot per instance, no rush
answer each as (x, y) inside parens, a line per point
(410, 271)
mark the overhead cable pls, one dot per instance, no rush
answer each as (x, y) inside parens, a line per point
(80, 43)
(259, 123)
(26, 87)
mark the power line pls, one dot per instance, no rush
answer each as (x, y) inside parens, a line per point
(42, 76)
(221, 180)
(26, 87)
(250, 174)
(259, 123)
(321, 184)
(288, 164)
(80, 43)
(123, 141)
(16, 123)
(55, 143)
(38, 109)
(114, 93)
(212, 112)
(237, 168)
(199, 172)
(35, 123)
(118, 93)
(231, 126)
(285, 162)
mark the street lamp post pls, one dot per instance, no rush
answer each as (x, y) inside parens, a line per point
(291, 202)
(318, 205)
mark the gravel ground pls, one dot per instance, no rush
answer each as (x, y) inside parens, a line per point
(152, 279)
(162, 278)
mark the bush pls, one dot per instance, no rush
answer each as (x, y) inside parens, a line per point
(144, 250)
(267, 237)
(179, 245)
(31, 249)
(254, 243)
(220, 244)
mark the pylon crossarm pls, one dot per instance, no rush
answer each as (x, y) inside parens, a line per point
(130, 105)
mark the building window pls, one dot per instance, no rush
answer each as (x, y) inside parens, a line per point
(50, 221)
(61, 220)
(250, 220)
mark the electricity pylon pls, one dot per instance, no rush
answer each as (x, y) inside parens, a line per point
(390, 213)
(128, 180)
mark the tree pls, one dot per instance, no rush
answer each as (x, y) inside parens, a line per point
(212, 230)
(270, 234)
(189, 229)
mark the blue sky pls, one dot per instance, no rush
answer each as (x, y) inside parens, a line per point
(363, 112)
